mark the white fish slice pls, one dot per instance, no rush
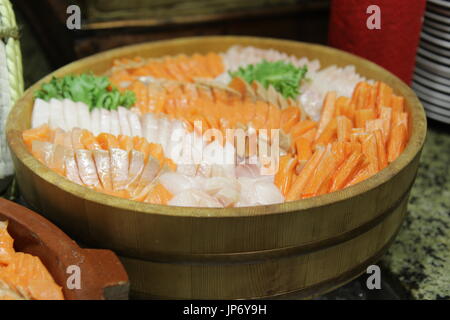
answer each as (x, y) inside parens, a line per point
(135, 170)
(135, 124)
(174, 143)
(123, 120)
(71, 166)
(95, 121)
(58, 160)
(176, 182)
(76, 138)
(84, 116)
(43, 151)
(194, 198)
(40, 114)
(114, 124)
(70, 114)
(226, 190)
(164, 125)
(59, 136)
(103, 164)
(149, 173)
(57, 114)
(68, 139)
(119, 168)
(150, 128)
(86, 168)
(105, 121)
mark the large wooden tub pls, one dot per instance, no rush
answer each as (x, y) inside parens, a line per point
(304, 247)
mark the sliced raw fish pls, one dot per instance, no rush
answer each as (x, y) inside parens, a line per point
(57, 114)
(147, 177)
(119, 168)
(103, 164)
(86, 168)
(135, 124)
(105, 121)
(114, 124)
(123, 121)
(259, 191)
(84, 116)
(176, 182)
(67, 139)
(76, 138)
(70, 114)
(43, 151)
(194, 198)
(71, 167)
(40, 114)
(164, 132)
(150, 127)
(158, 195)
(58, 137)
(95, 121)
(58, 159)
(135, 170)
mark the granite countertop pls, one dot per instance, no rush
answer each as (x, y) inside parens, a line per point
(420, 255)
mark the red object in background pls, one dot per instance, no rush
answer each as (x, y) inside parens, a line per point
(393, 46)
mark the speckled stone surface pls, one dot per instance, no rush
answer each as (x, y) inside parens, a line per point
(420, 255)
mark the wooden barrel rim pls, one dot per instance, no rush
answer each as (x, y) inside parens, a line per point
(318, 288)
(414, 146)
(261, 255)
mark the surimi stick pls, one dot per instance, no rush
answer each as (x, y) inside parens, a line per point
(344, 128)
(327, 112)
(305, 175)
(396, 142)
(346, 171)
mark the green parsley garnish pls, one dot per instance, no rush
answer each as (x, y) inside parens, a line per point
(283, 76)
(96, 92)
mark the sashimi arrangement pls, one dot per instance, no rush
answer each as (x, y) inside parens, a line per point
(23, 276)
(164, 130)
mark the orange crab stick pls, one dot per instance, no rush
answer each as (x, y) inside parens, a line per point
(327, 112)
(304, 176)
(396, 142)
(284, 175)
(346, 171)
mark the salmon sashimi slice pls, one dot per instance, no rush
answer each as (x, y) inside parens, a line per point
(6, 245)
(29, 276)
(41, 133)
(107, 141)
(89, 141)
(159, 195)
